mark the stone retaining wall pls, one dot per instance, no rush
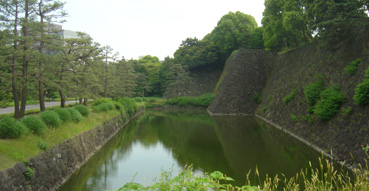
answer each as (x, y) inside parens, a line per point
(53, 167)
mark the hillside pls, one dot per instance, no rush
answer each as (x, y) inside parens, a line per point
(344, 134)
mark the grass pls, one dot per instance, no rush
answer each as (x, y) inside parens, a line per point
(13, 151)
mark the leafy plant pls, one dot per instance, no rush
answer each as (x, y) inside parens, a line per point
(257, 98)
(64, 114)
(312, 91)
(75, 114)
(352, 67)
(264, 109)
(34, 124)
(202, 101)
(138, 99)
(29, 173)
(83, 110)
(290, 96)
(330, 103)
(361, 96)
(10, 128)
(42, 146)
(129, 105)
(51, 118)
(294, 118)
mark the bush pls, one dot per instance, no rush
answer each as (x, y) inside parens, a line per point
(330, 103)
(100, 101)
(11, 129)
(294, 118)
(257, 98)
(352, 67)
(361, 96)
(312, 92)
(51, 118)
(202, 101)
(42, 146)
(34, 124)
(138, 99)
(82, 109)
(290, 97)
(75, 114)
(128, 104)
(64, 114)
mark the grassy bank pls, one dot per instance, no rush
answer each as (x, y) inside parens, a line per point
(29, 145)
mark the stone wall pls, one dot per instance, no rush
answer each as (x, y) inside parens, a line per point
(53, 167)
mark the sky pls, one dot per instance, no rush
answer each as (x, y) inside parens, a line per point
(151, 27)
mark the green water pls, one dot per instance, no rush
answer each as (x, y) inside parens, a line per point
(162, 141)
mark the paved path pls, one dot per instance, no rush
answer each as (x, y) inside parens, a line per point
(35, 106)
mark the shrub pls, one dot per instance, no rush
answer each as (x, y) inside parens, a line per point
(264, 109)
(257, 98)
(64, 114)
(330, 103)
(290, 97)
(11, 129)
(110, 106)
(75, 114)
(366, 74)
(202, 101)
(361, 96)
(138, 99)
(29, 173)
(128, 104)
(82, 109)
(51, 118)
(42, 146)
(100, 101)
(34, 124)
(104, 107)
(352, 67)
(294, 118)
(312, 92)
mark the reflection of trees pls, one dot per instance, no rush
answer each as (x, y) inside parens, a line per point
(248, 144)
(93, 174)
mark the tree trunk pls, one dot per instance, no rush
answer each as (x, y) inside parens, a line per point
(62, 98)
(41, 94)
(85, 101)
(25, 61)
(14, 67)
(80, 100)
(106, 75)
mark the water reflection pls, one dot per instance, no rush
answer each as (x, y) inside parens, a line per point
(160, 140)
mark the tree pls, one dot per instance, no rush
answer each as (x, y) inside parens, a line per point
(194, 53)
(48, 11)
(107, 52)
(177, 77)
(255, 40)
(232, 32)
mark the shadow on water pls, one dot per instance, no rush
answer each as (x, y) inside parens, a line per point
(171, 140)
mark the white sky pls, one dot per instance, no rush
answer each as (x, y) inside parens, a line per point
(156, 27)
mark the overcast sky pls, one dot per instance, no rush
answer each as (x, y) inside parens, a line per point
(156, 27)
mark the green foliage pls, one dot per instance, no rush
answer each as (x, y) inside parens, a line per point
(29, 173)
(257, 98)
(193, 53)
(42, 146)
(151, 100)
(290, 97)
(330, 103)
(138, 99)
(366, 75)
(326, 177)
(51, 118)
(255, 40)
(64, 114)
(202, 101)
(129, 105)
(346, 111)
(264, 109)
(361, 96)
(352, 67)
(294, 118)
(232, 32)
(101, 100)
(82, 109)
(10, 128)
(312, 92)
(75, 114)
(308, 118)
(34, 124)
